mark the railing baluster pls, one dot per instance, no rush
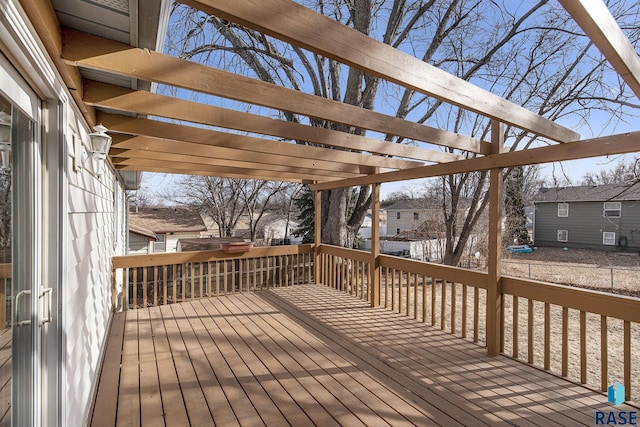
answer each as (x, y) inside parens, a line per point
(386, 287)
(154, 289)
(408, 288)
(393, 289)
(453, 307)
(547, 336)
(464, 311)
(415, 295)
(516, 317)
(433, 300)
(627, 360)
(424, 299)
(125, 288)
(476, 315)
(565, 340)
(192, 282)
(164, 285)
(583, 347)
(135, 288)
(530, 336)
(183, 280)
(144, 286)
(226, 277)
(604, 356)
(443, 304)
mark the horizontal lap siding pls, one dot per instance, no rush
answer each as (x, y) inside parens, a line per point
(585, 224)
(90, 242)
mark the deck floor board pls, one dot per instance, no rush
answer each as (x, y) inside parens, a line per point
(310, 355)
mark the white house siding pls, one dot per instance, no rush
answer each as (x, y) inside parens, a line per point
(91, 240)
(90, 235)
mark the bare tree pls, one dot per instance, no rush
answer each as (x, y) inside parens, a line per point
(227, 200)
(621, 173)
(529, 52)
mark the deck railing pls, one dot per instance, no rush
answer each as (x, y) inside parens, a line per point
(158, 279)
(589, 336)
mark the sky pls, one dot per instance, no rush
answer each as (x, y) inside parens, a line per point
(572, 171)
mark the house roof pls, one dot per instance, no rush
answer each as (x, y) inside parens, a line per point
(408, 204)
(590, 193)
(137, 229)
(167, 220)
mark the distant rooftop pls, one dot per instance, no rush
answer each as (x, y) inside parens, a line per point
(590, 193)
(167, 220)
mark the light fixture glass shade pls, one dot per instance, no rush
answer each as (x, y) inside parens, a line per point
(100, 142)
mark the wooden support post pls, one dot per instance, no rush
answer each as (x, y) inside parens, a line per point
(494, 292)
(317, 235)
(375, 246)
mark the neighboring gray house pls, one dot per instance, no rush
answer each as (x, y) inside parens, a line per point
(605, 217)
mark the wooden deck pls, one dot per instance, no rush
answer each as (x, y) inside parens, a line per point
(309, 355)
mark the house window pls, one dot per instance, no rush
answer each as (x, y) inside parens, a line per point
(609, 238)
(563, 209)
(563, 235)
(397, 215)
(160, 244)
(416, 216)
(612, 209)
(397, 231)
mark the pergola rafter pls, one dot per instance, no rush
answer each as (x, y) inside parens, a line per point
(122, 99)
(92, 52)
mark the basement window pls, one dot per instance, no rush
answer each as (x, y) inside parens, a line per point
(563, 235)
(609, 238)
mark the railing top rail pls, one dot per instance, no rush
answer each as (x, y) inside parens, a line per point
(439, 271)
(597, 302)
(354, 254)
(129, 261)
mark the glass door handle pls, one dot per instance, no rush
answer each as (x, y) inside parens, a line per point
(48, 293)
(16, 308)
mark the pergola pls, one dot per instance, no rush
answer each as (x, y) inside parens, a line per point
(102, 74)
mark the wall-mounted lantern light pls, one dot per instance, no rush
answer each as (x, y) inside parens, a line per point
(5, 140)
(100, 143)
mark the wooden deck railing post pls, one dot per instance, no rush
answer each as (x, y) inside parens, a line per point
(317, 236)
(375, 246)
(494, 292)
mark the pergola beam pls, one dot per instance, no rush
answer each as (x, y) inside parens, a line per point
(596, 21)
(596, 147)
(124, 156)
(203, 170)
(301, 153)
(85, 50)
(296, 24)
(141, 102)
